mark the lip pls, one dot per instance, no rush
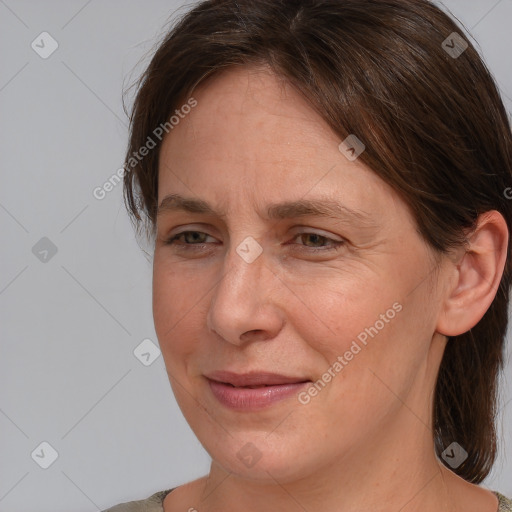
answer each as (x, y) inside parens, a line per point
(253, 378)
(231, 389)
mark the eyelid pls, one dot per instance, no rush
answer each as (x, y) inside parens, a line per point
(298, 231)
(170, 238)
(331, 245)
(317, 231)
(198, 227)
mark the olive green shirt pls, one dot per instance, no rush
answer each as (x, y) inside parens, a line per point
(155, 504)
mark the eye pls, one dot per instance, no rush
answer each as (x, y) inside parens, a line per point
(318, 241)
(314, 242)
(189, 238)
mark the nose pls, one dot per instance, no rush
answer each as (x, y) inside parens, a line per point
(244, 303)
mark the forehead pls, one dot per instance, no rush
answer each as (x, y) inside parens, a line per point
(257, 84)
(247, 106)
(253, 135)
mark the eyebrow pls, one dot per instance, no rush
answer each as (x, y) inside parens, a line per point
(279, 211)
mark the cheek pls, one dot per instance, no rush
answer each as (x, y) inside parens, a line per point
(330, 314)
(363, 339)
(178, 311)
(327, 309)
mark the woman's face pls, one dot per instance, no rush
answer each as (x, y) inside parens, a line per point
(263, 284)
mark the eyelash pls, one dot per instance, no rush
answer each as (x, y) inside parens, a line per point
(187, 246)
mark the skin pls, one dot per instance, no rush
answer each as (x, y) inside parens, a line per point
(365, 441)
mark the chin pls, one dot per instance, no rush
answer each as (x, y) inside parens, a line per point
(258, 456)
(271, 467)
(259, 446)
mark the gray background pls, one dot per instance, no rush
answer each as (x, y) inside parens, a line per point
(69, 325)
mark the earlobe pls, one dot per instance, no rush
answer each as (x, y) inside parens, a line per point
(476, 276)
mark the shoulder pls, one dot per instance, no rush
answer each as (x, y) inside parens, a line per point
(505, 503)
(151, 504)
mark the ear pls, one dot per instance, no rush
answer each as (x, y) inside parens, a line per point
(476, 276)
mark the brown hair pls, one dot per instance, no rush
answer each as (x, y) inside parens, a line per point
(434, 127)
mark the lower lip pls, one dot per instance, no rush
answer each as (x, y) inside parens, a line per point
(253, 398)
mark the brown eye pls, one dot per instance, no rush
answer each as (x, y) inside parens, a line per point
(319, 242)
(188, 238)
(314, 238)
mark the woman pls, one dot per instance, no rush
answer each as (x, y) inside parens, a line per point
(324, 184)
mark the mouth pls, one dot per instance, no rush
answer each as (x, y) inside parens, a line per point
(253, 380)
(252, 391)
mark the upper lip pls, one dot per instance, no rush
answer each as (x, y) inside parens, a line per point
(254, 378)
